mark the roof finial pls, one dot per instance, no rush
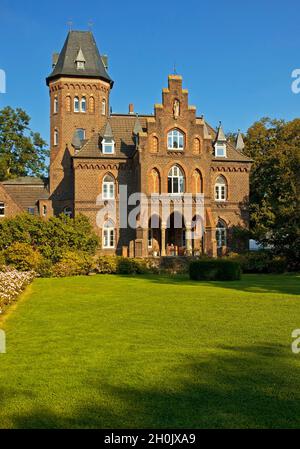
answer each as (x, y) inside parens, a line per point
(70, 24)
(175, 71)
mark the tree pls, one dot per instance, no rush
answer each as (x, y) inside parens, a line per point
(22, 151)
(274, 146)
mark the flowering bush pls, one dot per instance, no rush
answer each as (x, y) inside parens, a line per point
(12, 283)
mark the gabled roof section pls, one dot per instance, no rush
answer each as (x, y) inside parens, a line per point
(108, 134)
(26, 191)
(232, 153)
(122, 128)
(80, 44)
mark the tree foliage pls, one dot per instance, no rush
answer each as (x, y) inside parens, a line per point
(22, 151)
(274, 146)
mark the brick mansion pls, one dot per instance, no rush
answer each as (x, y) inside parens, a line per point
(172, 152)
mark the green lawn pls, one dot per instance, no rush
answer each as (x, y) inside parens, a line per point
(111, 351)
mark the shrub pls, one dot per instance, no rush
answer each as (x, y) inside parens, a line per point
(51, 237)
(261, 262)
(73, 264)
(106, 264)
(12, 282)
(45, 269)
(22, 257)
(215, 269)
(128, 265)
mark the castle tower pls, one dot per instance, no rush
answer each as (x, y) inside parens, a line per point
(79, 88)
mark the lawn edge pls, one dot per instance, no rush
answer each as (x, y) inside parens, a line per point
(19, 300)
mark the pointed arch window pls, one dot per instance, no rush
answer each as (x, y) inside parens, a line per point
(108, 187)
(55, 137)
(175, 180)
(108, 237)
(103, 107)
(220, 189)
(83, 104)
(221, 234)
(76, 104)
(92, 104)
(175, 140)
(55, 105)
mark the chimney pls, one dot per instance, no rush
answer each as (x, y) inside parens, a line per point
(131, 108)
(54, 59)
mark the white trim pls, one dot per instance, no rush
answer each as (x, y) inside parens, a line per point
(175, 136)
(220, 146)
(108, 143)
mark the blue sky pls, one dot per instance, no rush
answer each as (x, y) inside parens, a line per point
(236, 57)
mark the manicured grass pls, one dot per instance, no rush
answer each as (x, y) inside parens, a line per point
(112, 351)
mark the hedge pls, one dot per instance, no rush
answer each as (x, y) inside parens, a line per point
(215, 269)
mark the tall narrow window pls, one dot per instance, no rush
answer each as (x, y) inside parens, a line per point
(175, 180)
(2, 209)
(83, 104)
(175, 140)
(103, 107)
(150, 238)
(55, 137)
(108, 234)
(221, 234)
(76, 104)
(220, 189)
(108, 188)
(55, 105)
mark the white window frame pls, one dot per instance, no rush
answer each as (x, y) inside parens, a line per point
(221, 190)
(106, 143)
(173, 136)
(108, 188)
(83, 102)
(80, 65)
(176, 173)
(55, 105)
(76, 104)
(220, 150)
(103, 107)
(2, 209)
(44, 210)
(108, 235)
(221, 234)
(55, 137)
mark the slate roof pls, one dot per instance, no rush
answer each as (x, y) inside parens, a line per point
(80, 42)
(26, 191)
(122, 127)
(232, 153)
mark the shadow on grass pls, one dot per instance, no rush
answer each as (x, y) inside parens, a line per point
(245, 387)
(252, 283)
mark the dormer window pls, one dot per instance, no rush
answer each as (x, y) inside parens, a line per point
(220, 149)
(108, 146)
(175, 140)
(80, 60)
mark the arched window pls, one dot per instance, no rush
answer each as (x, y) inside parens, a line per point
(220, 189)
(108, 240)
(92, 104)
(76, 104)
(154, 181)
(103, 107)
(55, 105)
(221, 234)
(175, 180)
(68, 103)
(108, 188)
(68, 211)
(83, 104)
(55, 137)
(154, 144)
(175, 140)
(197, 182)
(196, 146)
